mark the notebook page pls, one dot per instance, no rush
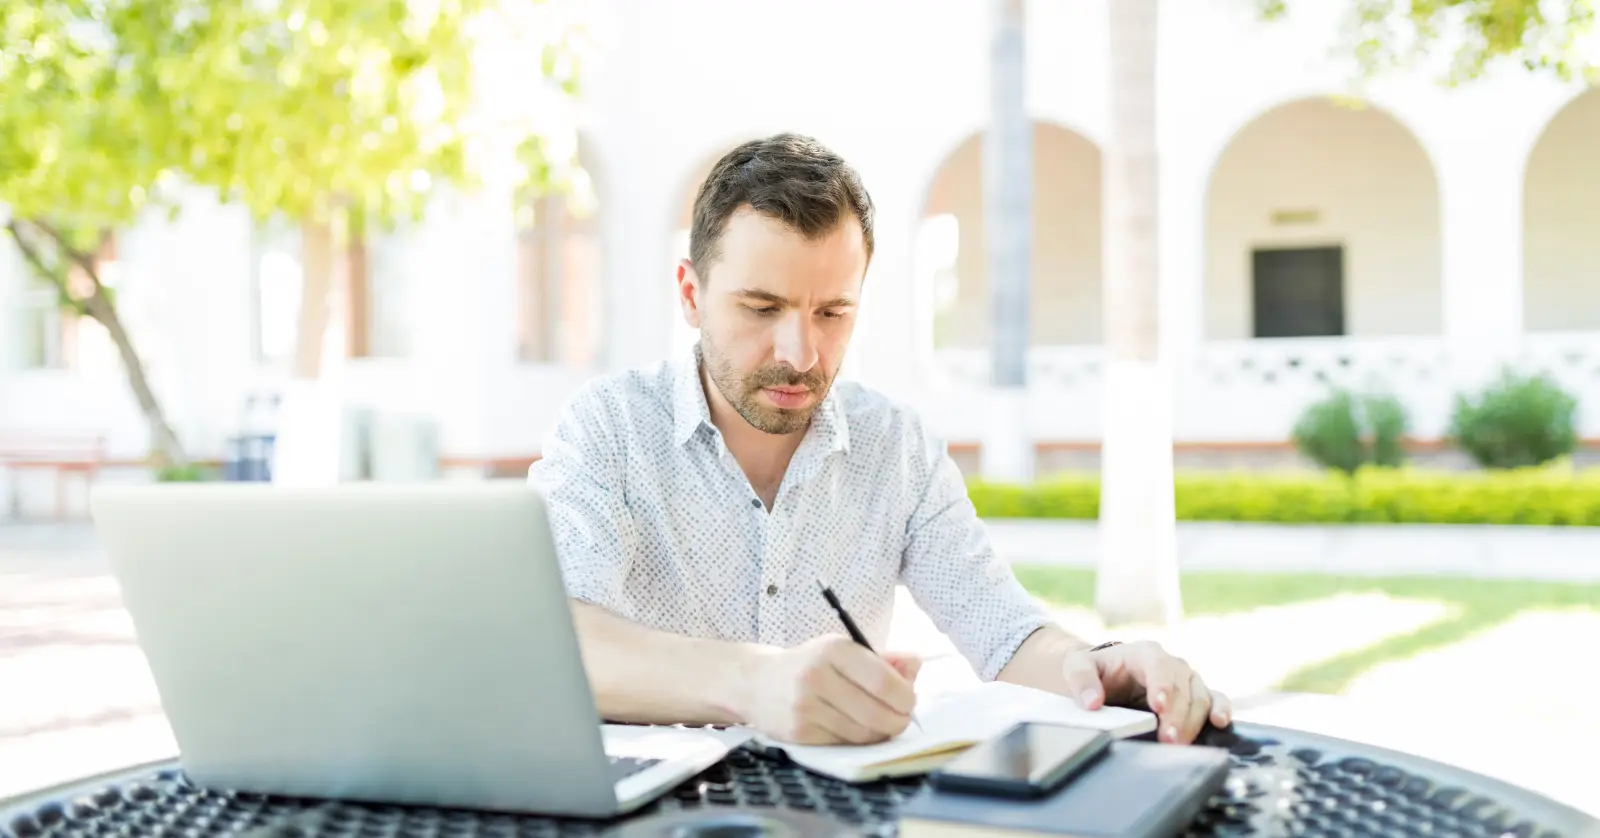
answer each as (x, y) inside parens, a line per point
(960, 719)
(944, 725)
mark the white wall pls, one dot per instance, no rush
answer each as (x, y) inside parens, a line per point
(1369, 188)
(1561, 236)
(1066, 254)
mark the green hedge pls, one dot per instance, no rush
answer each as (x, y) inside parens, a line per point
(1556, 496)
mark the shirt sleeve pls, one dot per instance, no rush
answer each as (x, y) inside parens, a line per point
(950, 568)
(579, 475)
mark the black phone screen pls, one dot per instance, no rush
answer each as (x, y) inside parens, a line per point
(1028, 754)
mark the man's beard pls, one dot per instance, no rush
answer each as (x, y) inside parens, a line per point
(743, 392)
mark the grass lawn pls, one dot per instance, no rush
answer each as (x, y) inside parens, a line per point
(1471, 606)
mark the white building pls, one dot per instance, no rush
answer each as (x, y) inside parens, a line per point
(1414, 242)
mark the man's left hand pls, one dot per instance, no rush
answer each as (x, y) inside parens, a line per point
(1139, 674)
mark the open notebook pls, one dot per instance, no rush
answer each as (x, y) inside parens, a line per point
(952, 722)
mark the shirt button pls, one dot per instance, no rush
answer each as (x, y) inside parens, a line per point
(772, 590)
(755, 503)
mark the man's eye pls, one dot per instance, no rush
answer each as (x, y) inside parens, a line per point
(765, 310)
(832, 313)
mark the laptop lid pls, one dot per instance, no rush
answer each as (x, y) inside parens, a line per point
(398, 643)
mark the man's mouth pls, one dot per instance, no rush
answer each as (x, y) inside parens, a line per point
(787, 396)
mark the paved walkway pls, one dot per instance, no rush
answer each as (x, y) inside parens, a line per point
(1563, 554)
(1512, 702)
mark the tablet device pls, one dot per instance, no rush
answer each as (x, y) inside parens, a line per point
(1135, 790)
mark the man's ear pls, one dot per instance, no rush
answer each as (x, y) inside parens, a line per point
(689, 296)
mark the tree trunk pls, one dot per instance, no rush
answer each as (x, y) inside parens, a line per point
(316, 259)
(1138, 576)
(357, 295)
(168, 451)
(1008, 234)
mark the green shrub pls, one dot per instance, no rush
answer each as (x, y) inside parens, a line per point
(1554, 495)
(1517, 421)
(1345, 432)
(1329, 434)
(1067, 496)
(1285, 498)
(1387, 422)
(185, 474)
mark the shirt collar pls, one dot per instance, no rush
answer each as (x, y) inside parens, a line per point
(690, 411)
(689, 408)
(828, 425)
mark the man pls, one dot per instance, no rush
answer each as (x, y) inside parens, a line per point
(698, 505)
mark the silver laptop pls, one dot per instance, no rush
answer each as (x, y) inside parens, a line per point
(408, 644)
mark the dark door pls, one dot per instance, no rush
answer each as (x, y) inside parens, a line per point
(1298, 292)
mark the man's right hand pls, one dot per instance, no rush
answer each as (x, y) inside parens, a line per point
(831, 690)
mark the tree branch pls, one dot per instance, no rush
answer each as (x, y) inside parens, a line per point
(32, 256)
(86, 262)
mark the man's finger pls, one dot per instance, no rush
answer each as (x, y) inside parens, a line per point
(873, 675)
(1082, 675)
(811, 734)
(908, 664)
(1195, 712)
(862, 706)
(1221, 709)
(840, 722)
(1166, 683)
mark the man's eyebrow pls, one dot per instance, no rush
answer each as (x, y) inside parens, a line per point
(778, 299)
(764, 296)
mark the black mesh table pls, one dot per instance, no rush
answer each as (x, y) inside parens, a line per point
(1282, 783)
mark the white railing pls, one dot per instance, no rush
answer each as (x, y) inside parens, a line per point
(1255, 390)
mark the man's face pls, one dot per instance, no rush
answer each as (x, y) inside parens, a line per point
(775, 316)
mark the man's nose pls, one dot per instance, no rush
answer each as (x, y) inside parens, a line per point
(795, 343)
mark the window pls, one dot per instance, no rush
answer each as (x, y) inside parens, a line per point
(54, 337)
(277, 277)
(376, 325)
(559, 283)
(1298, 292)
(42, 320)
(389, 291)
(938, 244)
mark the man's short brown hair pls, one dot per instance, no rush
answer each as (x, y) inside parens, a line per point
(790, 177)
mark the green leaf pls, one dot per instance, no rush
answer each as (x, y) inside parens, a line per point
(1463, 39)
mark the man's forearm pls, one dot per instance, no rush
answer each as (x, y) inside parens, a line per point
(1038, 661)
(648, 676)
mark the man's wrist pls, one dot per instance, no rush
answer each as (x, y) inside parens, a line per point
(1037, 661)
(737, 690)
(1062, 643)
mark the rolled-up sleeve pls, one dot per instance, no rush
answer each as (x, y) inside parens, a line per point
(950, 568)
(579, 475)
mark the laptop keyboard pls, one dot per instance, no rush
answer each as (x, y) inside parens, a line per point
(624, 767)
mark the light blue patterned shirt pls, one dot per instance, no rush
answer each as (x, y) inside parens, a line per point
(654, 520)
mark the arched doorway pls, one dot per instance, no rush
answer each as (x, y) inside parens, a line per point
(1561, 222)
(1322, 219)
(950, 260)
(560, 284)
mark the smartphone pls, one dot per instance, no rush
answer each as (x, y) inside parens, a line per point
(1030, 759)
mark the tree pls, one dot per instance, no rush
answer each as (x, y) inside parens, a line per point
(1008, 235)
(1469, 36)
(333, 114)
(1138, 574)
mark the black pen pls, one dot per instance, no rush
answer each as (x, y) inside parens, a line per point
(850, 626)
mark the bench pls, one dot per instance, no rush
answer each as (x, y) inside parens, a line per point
(61, 453)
